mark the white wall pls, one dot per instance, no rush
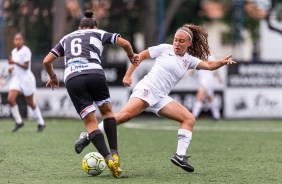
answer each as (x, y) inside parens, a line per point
(270, 42)
(216, 30)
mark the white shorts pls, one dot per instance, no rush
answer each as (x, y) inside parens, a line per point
(27, 87)
(155, 99)
(208, 87)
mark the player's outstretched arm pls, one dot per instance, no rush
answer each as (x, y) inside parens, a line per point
(128, 49)
(127, 79)
(203, 65)
(47, 62)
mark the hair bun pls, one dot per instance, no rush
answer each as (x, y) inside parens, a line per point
(88, 14)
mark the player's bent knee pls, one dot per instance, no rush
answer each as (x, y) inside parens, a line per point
(190, 121)
(11, 101)
(193, 120)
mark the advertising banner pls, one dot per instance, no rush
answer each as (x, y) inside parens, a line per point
(253, 103)
(249, 75)
(5, 111)
(254, 91)
(5, 76)
(57, 103)
(188, 98)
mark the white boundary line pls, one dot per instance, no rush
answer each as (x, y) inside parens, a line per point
(153, 126)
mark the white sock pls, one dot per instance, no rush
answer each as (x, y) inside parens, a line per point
(184, 138)
(16, 114)
(215, 111)
(38, 116)
(101, 126)
(197, 108)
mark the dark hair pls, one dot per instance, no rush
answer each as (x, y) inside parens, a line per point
(88, 21)
(20, 34)
(200, 46)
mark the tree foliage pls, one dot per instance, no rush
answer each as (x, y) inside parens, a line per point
(33, 19)
(131, 16)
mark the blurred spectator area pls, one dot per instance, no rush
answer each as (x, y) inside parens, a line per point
(251, 30)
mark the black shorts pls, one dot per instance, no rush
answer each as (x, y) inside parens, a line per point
(88, 88)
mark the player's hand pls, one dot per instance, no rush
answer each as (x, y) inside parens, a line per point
(10, 70)
(54, 83)
(10, 60)
(127, 81)
(228, 61)
(221, 81)
(134, 59)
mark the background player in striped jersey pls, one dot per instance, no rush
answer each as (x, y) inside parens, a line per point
(23, 82)
(151, 93)
(86, 82)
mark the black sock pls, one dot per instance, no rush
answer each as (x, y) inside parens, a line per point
(110, 127)
(97, 138)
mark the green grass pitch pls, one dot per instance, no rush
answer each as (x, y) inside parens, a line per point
(221, 152)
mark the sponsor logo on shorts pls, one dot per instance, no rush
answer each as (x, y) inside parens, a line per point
(146, 92)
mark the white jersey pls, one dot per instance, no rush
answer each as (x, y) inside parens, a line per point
(21, 56)
(206, 77)
(168, 69)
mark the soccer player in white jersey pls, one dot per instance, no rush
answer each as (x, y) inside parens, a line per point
(86, 82)
(151, 93)
(23, 82)
(206, 79)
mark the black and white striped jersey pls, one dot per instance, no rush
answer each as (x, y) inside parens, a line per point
(82, 50)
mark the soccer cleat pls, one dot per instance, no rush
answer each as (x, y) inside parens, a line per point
(182, 161)
(17, 126)
(40, 128)
(81, 143)
(114, 167)
(116, 157)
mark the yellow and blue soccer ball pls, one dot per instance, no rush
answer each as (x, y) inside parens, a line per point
(93, 163)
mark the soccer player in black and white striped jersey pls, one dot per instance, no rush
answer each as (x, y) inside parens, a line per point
(86, 82)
